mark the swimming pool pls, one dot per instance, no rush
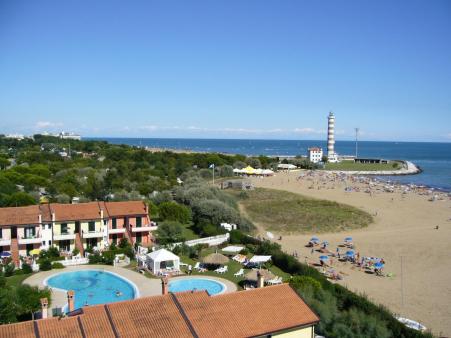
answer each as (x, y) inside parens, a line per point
(188, 284)
(93, 286)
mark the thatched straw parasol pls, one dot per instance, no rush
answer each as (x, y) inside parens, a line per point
(252, 275)
(215, 259)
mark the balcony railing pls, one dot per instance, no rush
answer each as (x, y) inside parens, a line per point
(5, 241)
(92, 234)
(30, 239)
(64, 236)
(146, 227)
(116, 231)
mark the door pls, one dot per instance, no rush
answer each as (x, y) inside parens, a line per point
(14, 232)
(29, 247)
(77, 227)
(114, 239)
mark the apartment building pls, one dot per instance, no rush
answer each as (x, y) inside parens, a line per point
(70, 226)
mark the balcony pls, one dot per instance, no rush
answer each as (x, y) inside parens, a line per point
(64, 236)
(144, 228)
(36, 239)
(116, 231)
(92, 234)
(5, 241)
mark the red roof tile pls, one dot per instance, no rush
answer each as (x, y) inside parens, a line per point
(95, 322)
(73, 212)
(247, 313)
(19, 215)
(22, 330)
(126, 208)
(148, 317)
(59, 328)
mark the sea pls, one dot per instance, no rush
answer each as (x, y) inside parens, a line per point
(433, 158)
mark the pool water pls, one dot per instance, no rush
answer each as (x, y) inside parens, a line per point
(190, 284)
(93, 287)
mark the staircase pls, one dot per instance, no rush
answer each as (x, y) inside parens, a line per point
(79, 244)
(128, 235)
(15, 251)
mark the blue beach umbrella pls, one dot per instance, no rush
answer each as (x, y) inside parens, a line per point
(5, 254)
(350, 253)
(348, 239)
(323, 258)
(378, 265)
(325, 243)
(314, 239)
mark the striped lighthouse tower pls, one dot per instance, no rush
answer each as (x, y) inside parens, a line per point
(331, 156)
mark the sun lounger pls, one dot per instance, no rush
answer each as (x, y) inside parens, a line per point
(222, 269)
(239, 273)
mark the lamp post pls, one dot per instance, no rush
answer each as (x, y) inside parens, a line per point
(212, 167)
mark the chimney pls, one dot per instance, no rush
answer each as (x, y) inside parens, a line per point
(44, 307)
(260, 280)
(53, 217)
(164, 285)
(101, 213)
(71, 300)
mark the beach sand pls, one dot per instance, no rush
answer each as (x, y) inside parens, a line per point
(403, 233)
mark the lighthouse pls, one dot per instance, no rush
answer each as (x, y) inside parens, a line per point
(331, 155)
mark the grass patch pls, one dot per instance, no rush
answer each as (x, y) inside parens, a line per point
(351, 166)
(188, 233)
(16, 280)
(285, 212)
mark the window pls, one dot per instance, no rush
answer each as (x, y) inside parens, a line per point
(114, 223)
(63, 228)
(64, 245)
(138, 222)
(29, 232)
(139, 238)
(92, 226)
(1, 233)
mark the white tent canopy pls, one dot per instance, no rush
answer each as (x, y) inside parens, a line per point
(259, 259)
(233, 248)
(162, 259)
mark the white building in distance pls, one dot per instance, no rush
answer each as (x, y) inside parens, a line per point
(315, 154)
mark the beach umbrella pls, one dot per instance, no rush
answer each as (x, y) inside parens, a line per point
(35, 252)
(379, 265)
(5, 254)
(314, 239)
(348, 239)
(323, 258)
(325, 243)
(215, 259)
(350, 253)
(252, 275)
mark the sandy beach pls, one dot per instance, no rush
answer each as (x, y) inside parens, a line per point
(403, 233)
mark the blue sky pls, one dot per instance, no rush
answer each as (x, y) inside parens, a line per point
(227, 69)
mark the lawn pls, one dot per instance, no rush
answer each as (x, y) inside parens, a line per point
(16, 279)
(351, 166)
(284, 212)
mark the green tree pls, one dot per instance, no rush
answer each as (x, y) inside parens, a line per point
(170, 232)
(29, 298)
(172, 211)
(19, 199)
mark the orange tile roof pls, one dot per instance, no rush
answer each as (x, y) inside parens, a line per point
(19, 215)
(247, 313)
(251, 313)
(148, 317)
(126, 208)
(73, 212)
(59, 328)
(95, 322)
(22, 330)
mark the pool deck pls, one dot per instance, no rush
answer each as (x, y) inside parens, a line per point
(146, 286)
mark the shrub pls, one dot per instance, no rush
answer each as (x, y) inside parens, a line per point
(57, 265)
(169, 232)
(9, 269)
(173, 211)
(123, 243)
(75, 252)
(45, 265)
(95, 258)
(26, 268)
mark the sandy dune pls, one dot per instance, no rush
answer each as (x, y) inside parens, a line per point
(403, 232)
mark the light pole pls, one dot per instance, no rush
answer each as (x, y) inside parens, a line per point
(356, 136)
(212, 167)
